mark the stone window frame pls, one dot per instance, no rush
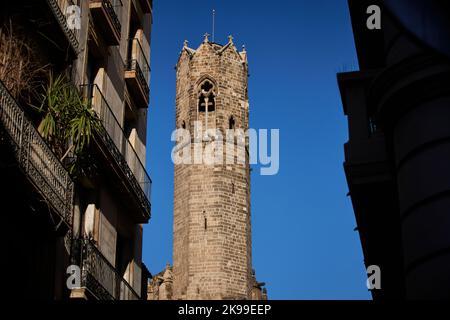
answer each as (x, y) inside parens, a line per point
(213, 92)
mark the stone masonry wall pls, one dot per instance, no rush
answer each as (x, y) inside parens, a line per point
(212, 225)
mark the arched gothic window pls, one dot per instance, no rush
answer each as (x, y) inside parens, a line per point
(207, 104)
(207, 97)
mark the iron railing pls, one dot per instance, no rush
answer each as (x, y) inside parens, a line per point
(61, 11)
(138, 62)
(100, 277)
(123, 152)
(113, 8)
(35, 158)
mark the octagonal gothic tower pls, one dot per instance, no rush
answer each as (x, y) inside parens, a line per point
(212, 253)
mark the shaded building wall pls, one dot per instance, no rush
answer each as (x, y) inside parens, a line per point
(35, 241)
(100, 212)
(403, 110)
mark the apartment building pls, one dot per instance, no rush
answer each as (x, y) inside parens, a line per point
(89, 221)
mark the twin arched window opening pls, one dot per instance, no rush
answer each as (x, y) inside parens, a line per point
(207, 101)
(207, 97)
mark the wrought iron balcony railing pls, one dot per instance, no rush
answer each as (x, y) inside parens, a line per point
(61, 11)
(100, 277)
(113, 8)
(138, 71)
(108, 13)
(38, 162)
(119, 146)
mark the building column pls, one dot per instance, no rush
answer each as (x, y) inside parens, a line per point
(413, 101)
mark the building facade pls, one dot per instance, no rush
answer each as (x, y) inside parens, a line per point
(91, 221)
(396, 159)
(212, 249)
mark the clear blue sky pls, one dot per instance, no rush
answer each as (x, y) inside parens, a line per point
(304, 246)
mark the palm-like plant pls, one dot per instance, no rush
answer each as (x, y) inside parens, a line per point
(68, 122)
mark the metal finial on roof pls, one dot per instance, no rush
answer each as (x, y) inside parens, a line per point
(230, 39)
(243, 48)
(206, 37)
(185, 44)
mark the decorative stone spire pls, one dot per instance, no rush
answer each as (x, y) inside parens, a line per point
(230, 39)
(185, 44)
(243, 54)
(168, 275)
(206, 40)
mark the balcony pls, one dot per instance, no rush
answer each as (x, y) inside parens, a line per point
(137, 74)
(122, 156)
(61, 9)
(99, 278)
(35, 159)
(47, 22)
(106, 15)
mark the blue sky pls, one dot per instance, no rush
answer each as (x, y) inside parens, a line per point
(304, 246)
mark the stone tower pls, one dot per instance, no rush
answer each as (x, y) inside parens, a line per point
(212, 229)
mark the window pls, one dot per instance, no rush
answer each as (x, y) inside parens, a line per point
(206, 100)
(207, 105)
(232, 123)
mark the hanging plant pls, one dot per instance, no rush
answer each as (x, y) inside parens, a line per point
(68, 124)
